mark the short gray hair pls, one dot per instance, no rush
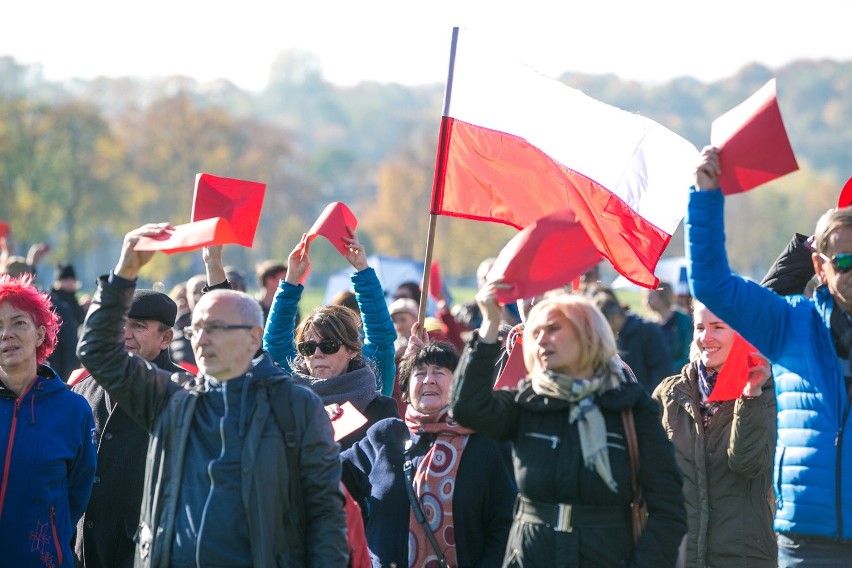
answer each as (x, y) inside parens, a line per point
(830, 221)
(247, 307)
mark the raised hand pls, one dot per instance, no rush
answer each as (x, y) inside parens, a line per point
(356, 255)
(299, 262)
(131, 261)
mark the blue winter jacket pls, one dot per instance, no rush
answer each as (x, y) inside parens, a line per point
(813, 458)
(48, 453)
(379, 333)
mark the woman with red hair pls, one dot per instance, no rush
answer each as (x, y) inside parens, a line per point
(46, 445)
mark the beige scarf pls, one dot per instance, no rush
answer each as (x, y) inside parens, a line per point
(590, 422)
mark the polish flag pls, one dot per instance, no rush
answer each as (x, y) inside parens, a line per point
(515, 146)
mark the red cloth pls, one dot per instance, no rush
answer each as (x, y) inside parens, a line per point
(359, 552)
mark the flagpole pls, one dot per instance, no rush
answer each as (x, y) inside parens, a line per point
(437, 185)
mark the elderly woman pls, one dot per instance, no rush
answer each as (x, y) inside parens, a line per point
(45, 436)
(571, 458)
(458, 478)
(328, 354)
(725, 449)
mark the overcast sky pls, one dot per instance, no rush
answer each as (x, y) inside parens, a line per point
(408, 41)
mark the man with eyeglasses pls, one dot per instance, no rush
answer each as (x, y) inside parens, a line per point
(242, 469)
(104, 536)
(808, 341)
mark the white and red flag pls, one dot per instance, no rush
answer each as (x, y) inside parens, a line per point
(516, 146)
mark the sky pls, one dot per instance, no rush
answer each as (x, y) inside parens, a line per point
(407, 41)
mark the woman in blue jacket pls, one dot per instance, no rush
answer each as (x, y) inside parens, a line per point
(45, 436)
(329, 354)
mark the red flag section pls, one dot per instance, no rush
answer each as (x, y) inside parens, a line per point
(515, 146)
(734, 373)
(845, 199)
(191, 236)
(238, 202)
(515, 370)
(436, 283)
(332, 224)
(548, 254)
(4, 229)
(753, 143)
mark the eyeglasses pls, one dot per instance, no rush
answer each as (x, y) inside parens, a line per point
(193, 332)
(327, 346)
(842, 262)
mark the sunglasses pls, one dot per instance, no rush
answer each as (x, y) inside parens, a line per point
(842, 262)
(327, 346)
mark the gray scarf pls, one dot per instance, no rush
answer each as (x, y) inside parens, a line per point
(590, 422)
(357, 387)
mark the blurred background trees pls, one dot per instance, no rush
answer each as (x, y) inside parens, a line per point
(84, 161)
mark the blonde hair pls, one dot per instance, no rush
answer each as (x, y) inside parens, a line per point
(593, 332)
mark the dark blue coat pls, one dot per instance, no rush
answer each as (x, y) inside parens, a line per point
(482, 502)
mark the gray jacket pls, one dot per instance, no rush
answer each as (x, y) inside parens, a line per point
(294, 510)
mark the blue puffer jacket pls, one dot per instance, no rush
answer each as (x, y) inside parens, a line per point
(49, 463)
(813, 458)
(379, 333)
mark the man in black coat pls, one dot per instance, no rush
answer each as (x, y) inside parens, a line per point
(104, 536)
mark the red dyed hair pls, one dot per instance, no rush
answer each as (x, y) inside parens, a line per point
(23, 295)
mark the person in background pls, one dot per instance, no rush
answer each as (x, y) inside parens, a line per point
(460, 479)
(565, 423)
(329, 354)
(181, 346)
(46, 435)
(676, 325)
(725, 450)
(808, 341)
(104, 535)
(641, 343)
(237, 278)
(65, 286)
(242, 468)
(403, 313)
(269, 274)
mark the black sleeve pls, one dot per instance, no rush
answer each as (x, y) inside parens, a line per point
(792, 270)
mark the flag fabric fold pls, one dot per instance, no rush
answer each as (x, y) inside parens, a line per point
(515, 146)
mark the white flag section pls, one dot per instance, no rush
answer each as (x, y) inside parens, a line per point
(517, 145)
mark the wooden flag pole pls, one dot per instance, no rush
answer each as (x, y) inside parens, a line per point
(437, 186)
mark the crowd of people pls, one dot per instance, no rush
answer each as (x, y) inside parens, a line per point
(199, 428)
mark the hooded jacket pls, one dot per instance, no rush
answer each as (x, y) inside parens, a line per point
(294, 511)
(49, 463)
(727, 473)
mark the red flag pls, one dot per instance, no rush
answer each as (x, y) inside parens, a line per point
(190, 236)
(515, 146)
(546, 255)
(237, 201)
(436, 284)
(515, 370)
(734, 373)
(332, 224)
(845, 198)
(753, 144)
(347, 421)
(4, 229)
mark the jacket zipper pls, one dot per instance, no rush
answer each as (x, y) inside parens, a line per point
(55, 535)
(8, 461)
(552, 439)
(838, 443)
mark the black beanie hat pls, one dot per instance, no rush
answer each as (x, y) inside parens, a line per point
(153, 305)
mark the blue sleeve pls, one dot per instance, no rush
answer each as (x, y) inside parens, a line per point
(81, 474)
(379, 333)
(278, 337)
(760, 315)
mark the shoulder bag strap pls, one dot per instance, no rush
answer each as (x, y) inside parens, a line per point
(633, 451)
(417, 508)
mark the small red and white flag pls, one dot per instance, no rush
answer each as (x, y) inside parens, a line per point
(516, 146)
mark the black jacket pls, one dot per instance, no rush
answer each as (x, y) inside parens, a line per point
(549, 468)
(643, 346)
(104, 536)
(792, 270)
(290, 481)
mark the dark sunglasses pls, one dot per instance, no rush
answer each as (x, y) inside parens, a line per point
(842, 262)
(327, 346)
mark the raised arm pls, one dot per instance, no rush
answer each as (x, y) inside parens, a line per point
(281, 325)
(379, 333)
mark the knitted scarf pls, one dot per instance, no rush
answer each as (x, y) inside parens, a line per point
(584, 411)
(706, 382)
(357, 387)
(434, 485)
